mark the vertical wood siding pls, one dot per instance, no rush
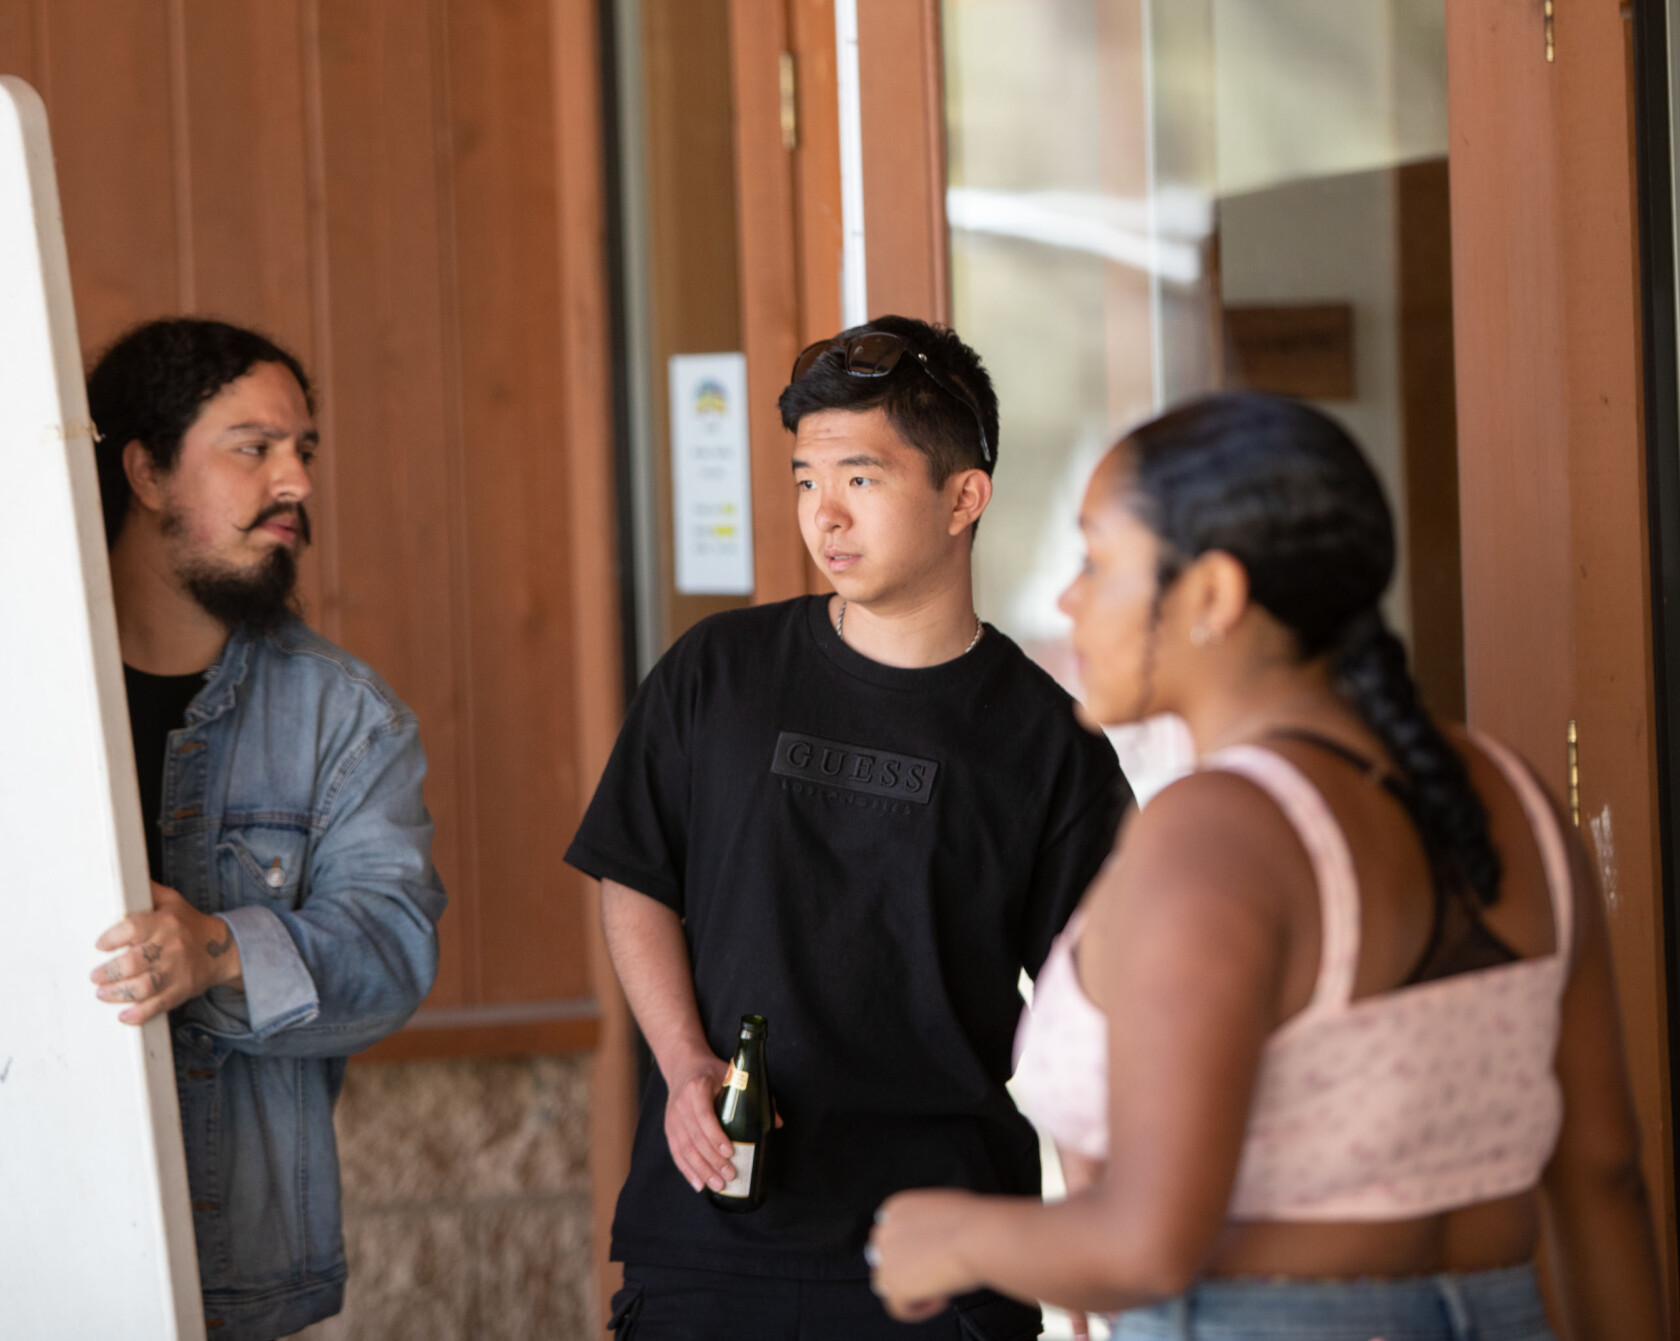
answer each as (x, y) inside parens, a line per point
(378, 184)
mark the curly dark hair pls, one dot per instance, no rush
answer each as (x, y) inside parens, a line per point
(928, 417)
(150, 385)
(1283, 489)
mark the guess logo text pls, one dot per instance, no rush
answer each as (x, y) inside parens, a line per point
(854, 768)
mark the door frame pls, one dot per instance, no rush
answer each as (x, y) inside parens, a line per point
(1559, 580)
(1567, 422)
(1654, 70)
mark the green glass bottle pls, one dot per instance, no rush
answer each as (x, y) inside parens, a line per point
(745, 1113)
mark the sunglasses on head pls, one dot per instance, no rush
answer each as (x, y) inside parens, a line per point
(876, 354)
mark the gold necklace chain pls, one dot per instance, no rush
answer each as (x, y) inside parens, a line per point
(840, 630)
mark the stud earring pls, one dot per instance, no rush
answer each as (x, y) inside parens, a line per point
(1199, 635)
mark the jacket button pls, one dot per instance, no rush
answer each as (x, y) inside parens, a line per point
(201, 1043)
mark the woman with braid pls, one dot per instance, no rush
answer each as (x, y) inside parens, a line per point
(1364, 1043)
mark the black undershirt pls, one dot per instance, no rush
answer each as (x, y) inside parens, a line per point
(157, 705)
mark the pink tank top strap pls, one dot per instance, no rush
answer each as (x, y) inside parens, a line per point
(1338, 886)
(1548, 833)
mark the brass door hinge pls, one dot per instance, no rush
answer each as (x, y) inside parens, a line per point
(790, 101)
(1551, 40)
(1574, 739)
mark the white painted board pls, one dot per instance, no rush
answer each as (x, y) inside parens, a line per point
(711, 474)
(95, 1228)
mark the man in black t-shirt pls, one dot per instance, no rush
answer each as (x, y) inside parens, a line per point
(860, 816)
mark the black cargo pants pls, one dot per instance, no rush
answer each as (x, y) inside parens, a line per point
(677, 1304)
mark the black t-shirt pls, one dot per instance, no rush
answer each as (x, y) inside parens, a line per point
(867, 856)
(157, 705)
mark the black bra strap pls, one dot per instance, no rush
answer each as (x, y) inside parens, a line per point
(1369, 767)
(1473, 944)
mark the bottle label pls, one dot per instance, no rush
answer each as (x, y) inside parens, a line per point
(741, 1184)
(734, 1079)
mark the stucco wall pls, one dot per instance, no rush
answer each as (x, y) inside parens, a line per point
(466, 1192)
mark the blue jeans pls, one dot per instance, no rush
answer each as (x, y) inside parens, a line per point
(1499, 1305)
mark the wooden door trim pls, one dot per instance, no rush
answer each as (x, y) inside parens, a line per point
(1660, 347)
(764, 190)
(902, 77)
(788, 213)
(1556, 559)
(586, 386)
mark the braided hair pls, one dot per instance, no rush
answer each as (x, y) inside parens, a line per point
(1284, 490)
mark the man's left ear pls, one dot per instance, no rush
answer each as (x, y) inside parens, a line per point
(972, 494)
(142, 475)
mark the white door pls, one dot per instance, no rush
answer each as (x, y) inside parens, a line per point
(95, 1228)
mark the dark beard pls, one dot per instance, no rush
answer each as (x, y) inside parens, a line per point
(258, 600)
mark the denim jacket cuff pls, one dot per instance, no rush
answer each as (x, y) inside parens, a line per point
(279, 991)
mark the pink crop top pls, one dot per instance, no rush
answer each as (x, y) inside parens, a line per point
(1413, 1101)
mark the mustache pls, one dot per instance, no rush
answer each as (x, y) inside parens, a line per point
(296, 510)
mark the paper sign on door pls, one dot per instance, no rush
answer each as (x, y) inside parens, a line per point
(712, 504)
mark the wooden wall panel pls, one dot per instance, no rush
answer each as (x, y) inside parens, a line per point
(246, 144)
(383, 186)
(392, 435)
(241, 136)
(21, 37)
(519, 618)
(108, 75)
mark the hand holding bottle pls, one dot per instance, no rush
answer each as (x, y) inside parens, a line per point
(706, 1094)
(698, 1146)
(746, 1115)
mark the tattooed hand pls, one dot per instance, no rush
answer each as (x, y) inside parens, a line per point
(169, 955)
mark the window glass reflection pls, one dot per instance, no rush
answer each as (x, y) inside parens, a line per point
(1149, 200)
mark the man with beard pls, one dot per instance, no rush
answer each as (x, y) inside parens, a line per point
(295, 902)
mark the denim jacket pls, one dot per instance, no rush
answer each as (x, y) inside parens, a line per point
(292, 808)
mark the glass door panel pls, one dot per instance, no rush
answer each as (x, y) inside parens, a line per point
(1153, 199)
